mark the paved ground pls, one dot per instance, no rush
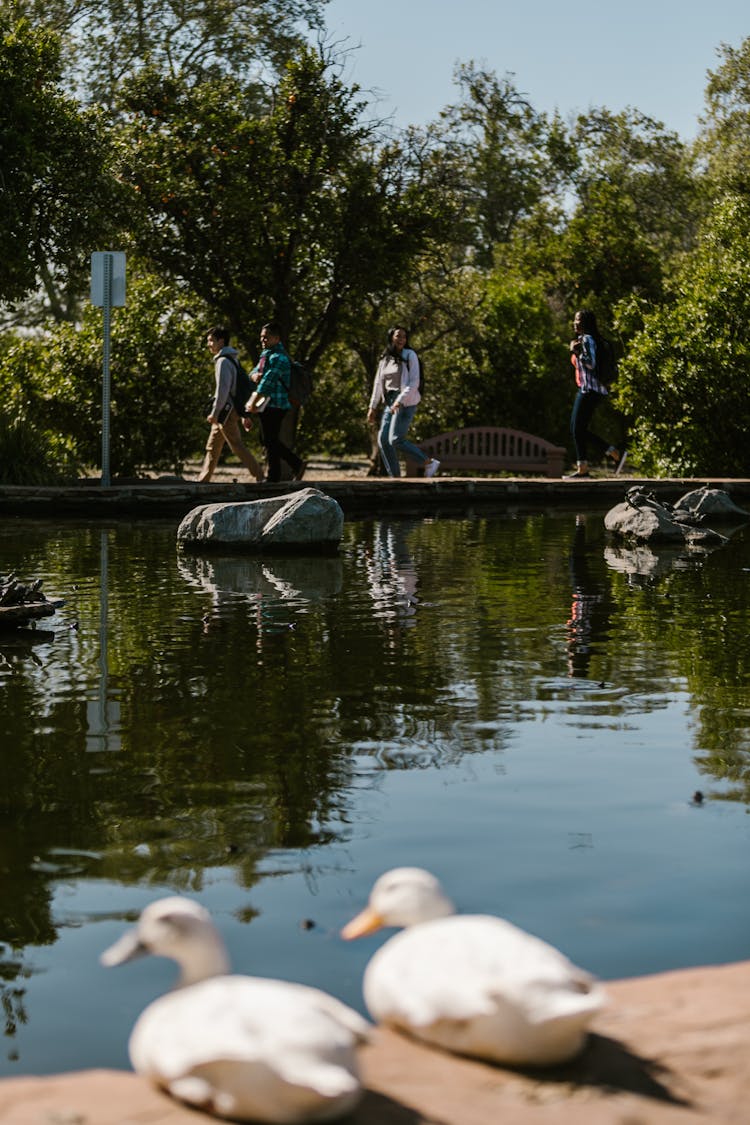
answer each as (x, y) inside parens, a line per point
(322, 468)
(318, 468)
(669, 1049)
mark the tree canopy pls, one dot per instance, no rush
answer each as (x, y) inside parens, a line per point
(222, 147)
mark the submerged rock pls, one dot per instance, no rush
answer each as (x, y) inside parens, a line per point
(298, 521)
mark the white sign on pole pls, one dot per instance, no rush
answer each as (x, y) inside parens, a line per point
(107, 289)
(101, 260)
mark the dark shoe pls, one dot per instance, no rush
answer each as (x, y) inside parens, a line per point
(300, 471)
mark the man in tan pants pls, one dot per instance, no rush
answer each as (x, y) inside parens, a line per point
(224, 419)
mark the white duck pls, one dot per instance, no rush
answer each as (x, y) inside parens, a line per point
(472, 984)
(239, 1047)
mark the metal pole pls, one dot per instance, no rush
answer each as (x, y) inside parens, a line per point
(105, 369)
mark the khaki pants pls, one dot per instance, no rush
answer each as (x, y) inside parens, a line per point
(229, 432)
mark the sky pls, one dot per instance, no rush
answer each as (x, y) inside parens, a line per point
(653, 55)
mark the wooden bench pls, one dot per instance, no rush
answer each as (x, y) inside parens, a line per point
(492, 449)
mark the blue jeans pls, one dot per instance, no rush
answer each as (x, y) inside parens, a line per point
(394, 426)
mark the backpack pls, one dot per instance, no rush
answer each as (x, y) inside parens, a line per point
(300, 385)
(606, 362)
(243, 386)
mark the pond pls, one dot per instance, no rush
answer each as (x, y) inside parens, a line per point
(509, 701)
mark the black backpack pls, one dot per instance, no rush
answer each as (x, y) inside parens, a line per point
(606, 362)
(243, 386)
(300, 385)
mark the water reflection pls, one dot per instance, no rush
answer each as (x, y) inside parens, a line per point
(591, 604)
(271, 585)
(422, 697)
(18, 645)
(392, 574)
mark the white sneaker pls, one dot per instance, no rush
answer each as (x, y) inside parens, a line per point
(431, 468)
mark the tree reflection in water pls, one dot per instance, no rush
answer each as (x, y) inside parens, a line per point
(214, 714)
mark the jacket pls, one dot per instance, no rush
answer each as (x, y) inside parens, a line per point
(409, 394)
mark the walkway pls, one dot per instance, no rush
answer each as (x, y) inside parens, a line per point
(358, 494)
(670, 1049)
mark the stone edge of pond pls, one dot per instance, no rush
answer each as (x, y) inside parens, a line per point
(671, 1047)
(370, 496)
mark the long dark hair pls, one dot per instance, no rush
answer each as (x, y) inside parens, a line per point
(391, 350)
(589, 326)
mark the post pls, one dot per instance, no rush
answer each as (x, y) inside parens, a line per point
(107, 289)
(107, 309)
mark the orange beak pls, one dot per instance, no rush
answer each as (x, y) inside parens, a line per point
(367, 922)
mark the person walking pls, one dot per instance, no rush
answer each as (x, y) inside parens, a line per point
(590, 393)
(396, 384)
(272, 375)
(224, 419)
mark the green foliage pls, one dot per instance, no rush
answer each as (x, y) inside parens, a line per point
(603, 254)
(501, 156)
(161, 380)
(647, 170)
(686, 378)
(30, 452)
(106, 43)
(58, 194)
(289, 213)
(724, 141)
(251, 182)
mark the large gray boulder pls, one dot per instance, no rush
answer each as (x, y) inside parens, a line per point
(643, 518)
(713, 502)
(306, 520)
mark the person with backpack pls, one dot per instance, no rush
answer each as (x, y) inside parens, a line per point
(226, 408)
(272, 376)
(396, 384)
(586, 354)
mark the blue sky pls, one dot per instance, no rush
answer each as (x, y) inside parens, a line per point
(650, 55)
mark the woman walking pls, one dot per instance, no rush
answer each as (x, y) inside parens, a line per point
(590, 393)
(396, 384)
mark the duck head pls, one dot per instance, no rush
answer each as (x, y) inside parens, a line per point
(178, 928)
(404, 896)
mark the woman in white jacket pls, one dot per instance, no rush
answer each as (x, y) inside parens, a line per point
(396, 384)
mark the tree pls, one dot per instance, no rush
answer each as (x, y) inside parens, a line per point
(686, 378)
(724, 141)
(58, 192)
(642, 164)
(505, 158)
(105, 43)
(161, 383)
(294, 213)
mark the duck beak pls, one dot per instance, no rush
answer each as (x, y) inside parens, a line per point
(126, 948)
(365, 923)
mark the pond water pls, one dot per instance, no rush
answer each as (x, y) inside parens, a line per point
(509, 701)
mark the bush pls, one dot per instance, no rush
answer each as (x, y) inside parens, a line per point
(161, 379)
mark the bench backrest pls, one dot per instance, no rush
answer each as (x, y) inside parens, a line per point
(495, 448)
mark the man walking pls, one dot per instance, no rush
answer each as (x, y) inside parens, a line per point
(272, 376)
(224, 419)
